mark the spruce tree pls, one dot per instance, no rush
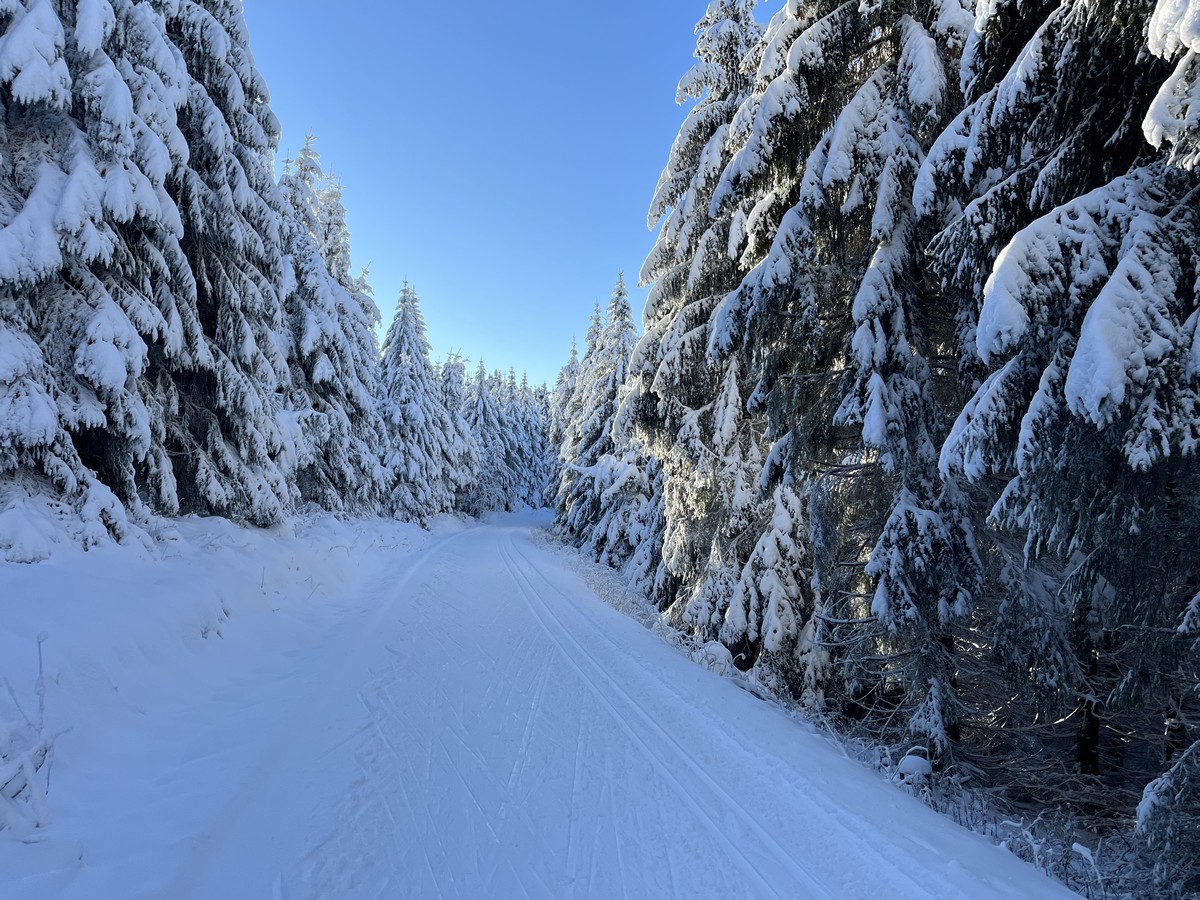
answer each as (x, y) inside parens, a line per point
(582, 485)
(673, 385)
(332, 352)
(90, 265)
(463, 460)
(839, 333)
(560, 406)
(423, 456)
(564, 389)
(571, 415)
(333, 234)
(521, 432)
(231, 454)
(531, 416)
(1071, 248)
(492, 490)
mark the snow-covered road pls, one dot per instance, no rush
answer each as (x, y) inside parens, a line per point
(469, 720)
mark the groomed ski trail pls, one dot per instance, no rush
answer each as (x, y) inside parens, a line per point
(471, 721)
(527, 741)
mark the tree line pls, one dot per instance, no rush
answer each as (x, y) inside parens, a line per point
(180, 333)
(912, 427)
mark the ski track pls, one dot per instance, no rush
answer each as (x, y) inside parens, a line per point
(542, 612)
(830, 815)
(563, 779)
(822, 806)
(325, 683)
(477, 724)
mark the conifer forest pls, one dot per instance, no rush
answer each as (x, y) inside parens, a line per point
(905, 439)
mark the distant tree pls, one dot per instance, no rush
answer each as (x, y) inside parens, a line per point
(494, 476)
(529, 415)
(571, 412)
(541, 406)
(332, 232)
(564, 389)
(601, 377)
(561, 401)
(424, 436)
(464, 450)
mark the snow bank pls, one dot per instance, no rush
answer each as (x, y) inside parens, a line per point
(118, 625)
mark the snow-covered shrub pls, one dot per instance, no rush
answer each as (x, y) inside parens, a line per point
(715, 657)
(25, 754)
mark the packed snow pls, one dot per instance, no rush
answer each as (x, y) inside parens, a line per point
(373, 710)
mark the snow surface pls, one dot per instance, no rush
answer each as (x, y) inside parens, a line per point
(371, 710)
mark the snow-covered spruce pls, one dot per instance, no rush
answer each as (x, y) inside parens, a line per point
(675, 394)
(88, 238)
(588, 476)
(560, 403)
(464, 448)
(1070, 248)
(826, 153)
(233, 448)
(425, 438)
(333, 354)
(496, 480)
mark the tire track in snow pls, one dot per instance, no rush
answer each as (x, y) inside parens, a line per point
(543, 614)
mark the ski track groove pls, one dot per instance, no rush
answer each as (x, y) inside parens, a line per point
(411, 807)
(616, 831)
(573, 820)
(529, 593)
(384, 704)
(521, 763)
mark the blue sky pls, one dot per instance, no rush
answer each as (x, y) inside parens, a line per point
(501, 158)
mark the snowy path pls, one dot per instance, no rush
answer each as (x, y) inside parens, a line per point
(474, 723)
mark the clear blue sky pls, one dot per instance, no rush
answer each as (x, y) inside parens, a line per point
(501, 158)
